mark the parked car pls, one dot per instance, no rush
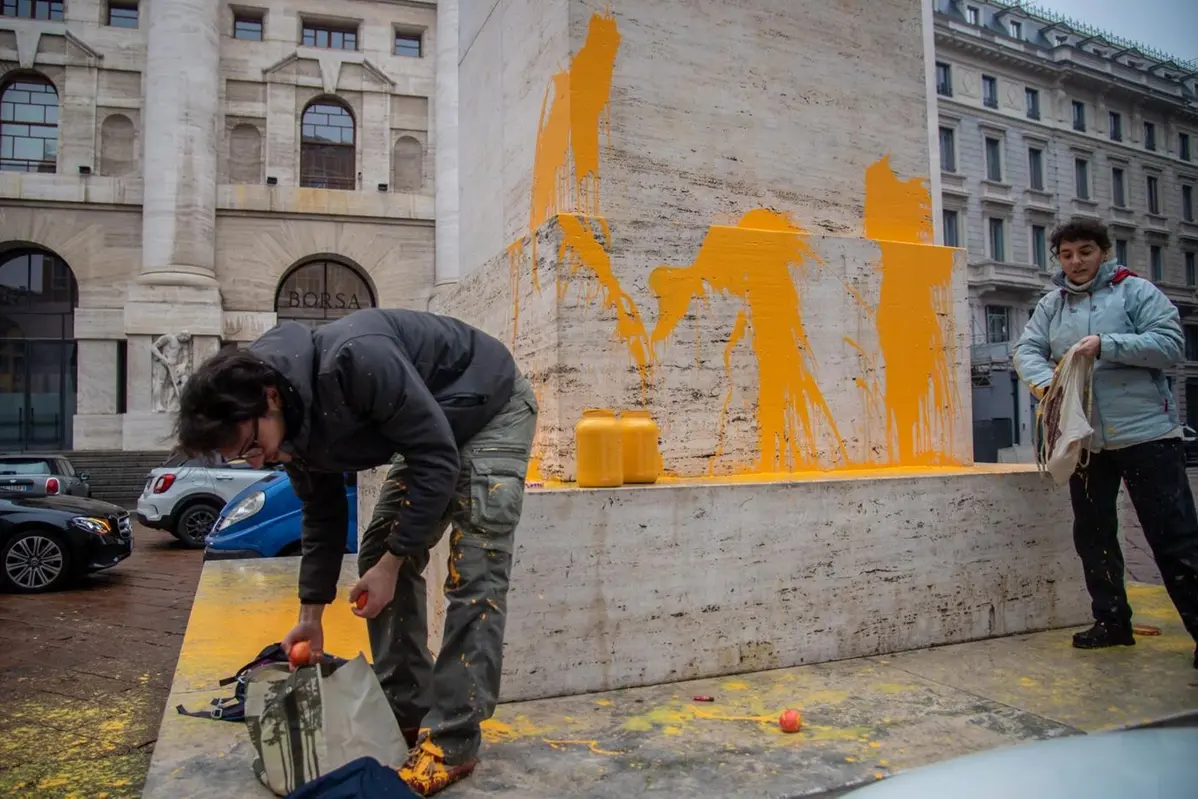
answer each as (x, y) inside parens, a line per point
(1189, 442)
(184, 496)
(46, 542)
(41, 474)
(263, 521)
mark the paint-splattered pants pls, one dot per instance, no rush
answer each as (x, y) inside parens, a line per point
(451, 697)
(1159, 488)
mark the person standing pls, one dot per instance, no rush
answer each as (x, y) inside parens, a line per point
(446, 406)
(1133, 332)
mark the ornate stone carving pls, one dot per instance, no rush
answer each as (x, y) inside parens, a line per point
(171, 368)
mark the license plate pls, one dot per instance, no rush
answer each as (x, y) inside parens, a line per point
(16, 488)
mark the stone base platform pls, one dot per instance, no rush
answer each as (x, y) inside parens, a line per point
(647, 585)
(864, 719)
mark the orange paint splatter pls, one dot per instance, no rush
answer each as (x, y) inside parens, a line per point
(914, 319)
(580, 249)
(574, 108)
(752, 261)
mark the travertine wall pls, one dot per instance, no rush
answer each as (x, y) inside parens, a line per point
(722, 214)
(649, 585)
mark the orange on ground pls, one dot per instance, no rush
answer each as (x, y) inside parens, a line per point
(790, 720)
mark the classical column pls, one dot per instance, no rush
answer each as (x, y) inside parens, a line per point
(446, 126)
(181, 114)
(177, 294)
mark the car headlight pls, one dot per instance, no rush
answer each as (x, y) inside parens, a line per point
(93, 525)
(244, 509)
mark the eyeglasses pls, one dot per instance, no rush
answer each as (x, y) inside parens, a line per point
(251, 446)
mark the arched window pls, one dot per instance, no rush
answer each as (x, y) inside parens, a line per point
(29, 125)
(327, 146)
(319, 291)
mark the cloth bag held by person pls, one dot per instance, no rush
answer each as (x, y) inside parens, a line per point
(1063, 418)
(311, 721)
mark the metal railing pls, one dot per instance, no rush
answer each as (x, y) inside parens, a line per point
(1048, 15)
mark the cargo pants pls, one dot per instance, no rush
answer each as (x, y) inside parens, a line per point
(448, 699)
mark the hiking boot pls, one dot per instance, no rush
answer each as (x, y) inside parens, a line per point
(1102, 635)
(427, 773)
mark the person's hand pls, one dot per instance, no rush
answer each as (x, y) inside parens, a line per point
(308, 629)
(1090, 345)
(378, 583)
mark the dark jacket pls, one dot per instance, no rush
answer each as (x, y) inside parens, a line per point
(357, 391)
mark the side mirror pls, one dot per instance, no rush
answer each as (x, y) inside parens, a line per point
(84, 476)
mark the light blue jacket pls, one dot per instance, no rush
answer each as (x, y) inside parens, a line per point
(1141, 336)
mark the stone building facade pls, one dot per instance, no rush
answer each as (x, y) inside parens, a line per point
(1041, 121)
(177, 175)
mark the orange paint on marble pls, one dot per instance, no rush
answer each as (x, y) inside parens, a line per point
(580, 249)
(565, 173)
(914, 319)
(752, 261)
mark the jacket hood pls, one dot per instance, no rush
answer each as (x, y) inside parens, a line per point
(1103, 277)
(289, 350)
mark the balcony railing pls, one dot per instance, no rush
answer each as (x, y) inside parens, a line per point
(328, 182)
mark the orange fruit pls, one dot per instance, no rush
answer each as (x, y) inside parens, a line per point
(300, 654)
(361, 601)
(790, 720)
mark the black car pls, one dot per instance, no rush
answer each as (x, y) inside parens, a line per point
(46, 542)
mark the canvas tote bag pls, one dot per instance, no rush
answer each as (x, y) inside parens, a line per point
(1064, 417)
(308, 722)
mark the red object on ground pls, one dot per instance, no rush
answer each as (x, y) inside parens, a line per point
(790, 720)
(361, 601)
(1146, 629)
(300, 654)
(704, 698)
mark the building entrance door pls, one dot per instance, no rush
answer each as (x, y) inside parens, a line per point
(38, 365)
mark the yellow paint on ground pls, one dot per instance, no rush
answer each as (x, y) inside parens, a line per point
(496, 731)
(239, 609)
(753, 262)
(914, 319)
(735, 685)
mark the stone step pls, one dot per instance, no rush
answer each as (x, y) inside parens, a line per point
(114, 475)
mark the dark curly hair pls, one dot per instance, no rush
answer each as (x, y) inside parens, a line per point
(228, 388)
(1076, 230)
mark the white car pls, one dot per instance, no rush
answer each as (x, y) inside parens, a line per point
(184, 496)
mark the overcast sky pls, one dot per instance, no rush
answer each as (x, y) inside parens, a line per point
(1170, 25)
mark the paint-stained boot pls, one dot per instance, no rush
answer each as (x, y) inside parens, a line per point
(427, 773)
(1103, 635)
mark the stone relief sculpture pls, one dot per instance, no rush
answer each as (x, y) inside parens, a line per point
(171, 368)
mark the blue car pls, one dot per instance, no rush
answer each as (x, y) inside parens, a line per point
(263, 521)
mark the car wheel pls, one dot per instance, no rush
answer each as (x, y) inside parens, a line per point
(195, 523)
(34, 561)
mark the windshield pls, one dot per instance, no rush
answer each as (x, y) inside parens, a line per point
(30, 466)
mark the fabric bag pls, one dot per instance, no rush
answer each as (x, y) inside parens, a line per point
(311, 721)
(1063, 418)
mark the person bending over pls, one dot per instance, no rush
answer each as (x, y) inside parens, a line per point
(446, 406)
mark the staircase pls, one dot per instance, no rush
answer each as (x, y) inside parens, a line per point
(116, 476)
